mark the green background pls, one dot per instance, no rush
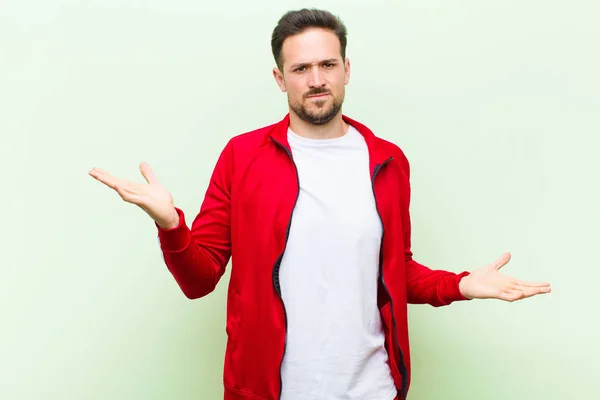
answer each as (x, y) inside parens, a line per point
(494, 102)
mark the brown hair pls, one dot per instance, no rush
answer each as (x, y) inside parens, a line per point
(295, 22)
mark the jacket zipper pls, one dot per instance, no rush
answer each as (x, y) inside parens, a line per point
(402, 366)
(276, 281)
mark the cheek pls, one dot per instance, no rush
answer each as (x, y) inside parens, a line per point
(295, 92)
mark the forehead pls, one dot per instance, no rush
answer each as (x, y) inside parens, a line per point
(310, 46)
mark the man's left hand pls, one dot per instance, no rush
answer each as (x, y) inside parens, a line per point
(489, 283)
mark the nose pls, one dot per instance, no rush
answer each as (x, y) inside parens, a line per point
(316, 78)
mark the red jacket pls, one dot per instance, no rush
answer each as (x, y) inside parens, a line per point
(246, 215)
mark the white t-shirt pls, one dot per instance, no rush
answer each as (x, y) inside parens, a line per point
(329, 277)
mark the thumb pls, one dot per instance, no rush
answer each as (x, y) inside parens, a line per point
(147, 173)
(502, 261)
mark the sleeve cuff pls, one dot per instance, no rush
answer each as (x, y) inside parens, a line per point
(455, 294)
(175, 239)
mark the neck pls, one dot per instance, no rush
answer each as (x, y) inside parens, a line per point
(335, 128)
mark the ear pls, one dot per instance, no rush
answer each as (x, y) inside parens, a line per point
(347, 71)
(278, 75)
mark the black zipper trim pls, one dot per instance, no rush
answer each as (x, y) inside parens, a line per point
(402, 365)
(276, 281)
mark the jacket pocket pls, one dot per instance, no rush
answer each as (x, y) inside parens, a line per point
(231, 373)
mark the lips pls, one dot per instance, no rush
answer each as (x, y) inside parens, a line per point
(318, 95)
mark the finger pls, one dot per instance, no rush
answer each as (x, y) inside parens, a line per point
(126, 192)
(129, 192)
(147, 173)
(534, 291)
(130, 188)
(125, 189)
(502, 261)
(532, 284)
(512, 295)
(517, 286)
(96, 172)
(104, 177)
(129, 196)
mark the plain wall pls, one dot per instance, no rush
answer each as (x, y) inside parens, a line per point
(495, 104)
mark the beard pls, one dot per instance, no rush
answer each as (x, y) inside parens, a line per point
(323, 114)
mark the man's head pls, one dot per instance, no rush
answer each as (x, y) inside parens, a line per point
(309, 47)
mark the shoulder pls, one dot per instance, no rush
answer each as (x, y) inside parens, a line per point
(396, 153)
(242, 150)
(382, 146)
(255, 137)
(247, 143)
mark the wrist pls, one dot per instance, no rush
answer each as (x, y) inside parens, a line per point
(171, 222)
(463, 286)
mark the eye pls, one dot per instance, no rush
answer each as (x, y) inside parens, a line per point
(329, 65)
(300, 69)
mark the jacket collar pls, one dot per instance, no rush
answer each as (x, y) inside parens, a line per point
(378, 152)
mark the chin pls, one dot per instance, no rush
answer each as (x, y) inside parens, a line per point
(320, 106)
(321, 112)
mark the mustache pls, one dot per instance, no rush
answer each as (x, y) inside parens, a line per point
(315, 92)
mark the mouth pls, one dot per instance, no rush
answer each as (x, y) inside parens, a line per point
(318, 96)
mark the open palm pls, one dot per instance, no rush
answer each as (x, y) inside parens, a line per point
(152, 197)
(489, 283)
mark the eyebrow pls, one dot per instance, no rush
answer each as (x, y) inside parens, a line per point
(328, 61)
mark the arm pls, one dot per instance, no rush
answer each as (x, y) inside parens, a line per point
(197, 257)
(440, 288)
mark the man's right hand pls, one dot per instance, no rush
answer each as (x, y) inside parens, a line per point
(152, 197)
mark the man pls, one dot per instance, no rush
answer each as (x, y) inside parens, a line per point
(314, 213)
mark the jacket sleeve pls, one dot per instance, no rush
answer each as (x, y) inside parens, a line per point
(424, 285)
(197, 256)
